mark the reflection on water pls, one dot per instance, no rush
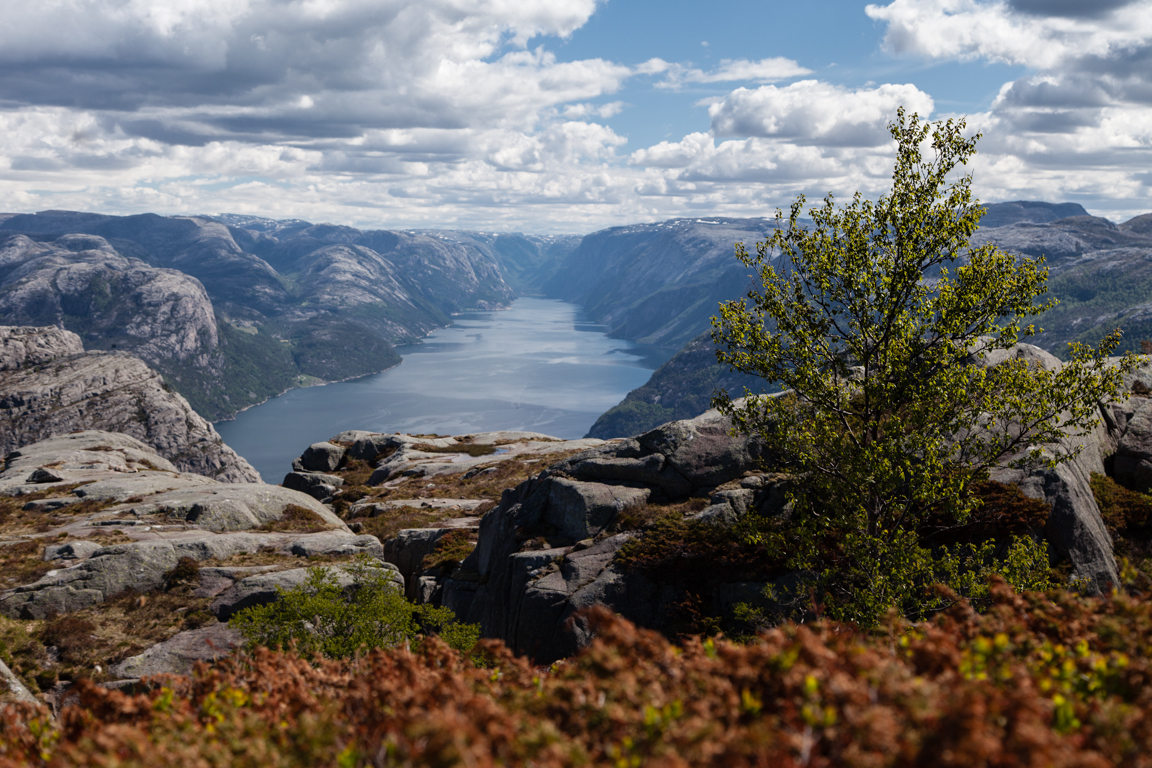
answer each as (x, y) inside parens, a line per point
(539, 366)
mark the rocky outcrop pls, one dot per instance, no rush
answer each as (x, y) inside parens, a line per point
(119, 483)
(111, 391)
(548, 550)
(28, 347)
(179, 654)
(526, 596)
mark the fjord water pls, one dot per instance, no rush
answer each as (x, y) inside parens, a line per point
(539, 366)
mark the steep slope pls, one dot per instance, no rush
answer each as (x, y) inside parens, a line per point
(1100, 272)
(680, 389)
(50, 386)
(658, 283)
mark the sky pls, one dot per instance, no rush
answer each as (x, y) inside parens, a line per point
(558, 116)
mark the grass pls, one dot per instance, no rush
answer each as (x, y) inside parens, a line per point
(450, 551)
(488, 487)
(124, 626)
(296, 519)
(15, 519)
(642, 516)
(466, 448)
(389, 524)
(23, 563)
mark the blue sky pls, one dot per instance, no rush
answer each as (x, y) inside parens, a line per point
(558, 115)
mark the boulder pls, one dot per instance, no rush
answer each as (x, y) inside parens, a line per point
(107, 572)
(322, 457)
(1132, 462)
(408, 548)
(703, 451)
(179, 654)
(214, 580)
(316, 484)
(336, 544)
(235, 506)
(11, 689)
(578, 510)
(139, 566)
(72, 550)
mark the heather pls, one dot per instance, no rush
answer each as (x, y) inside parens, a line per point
(1037, 679)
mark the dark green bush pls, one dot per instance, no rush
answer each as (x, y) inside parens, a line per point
(322, 618)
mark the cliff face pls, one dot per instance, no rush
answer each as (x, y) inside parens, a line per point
(659, 283)
(50, 386)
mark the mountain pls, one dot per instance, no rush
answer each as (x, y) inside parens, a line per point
(234, 309)
(50, 386)
(1100, 272)
(658, 283)
(680, 389)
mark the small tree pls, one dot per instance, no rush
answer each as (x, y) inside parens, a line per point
(876, 319)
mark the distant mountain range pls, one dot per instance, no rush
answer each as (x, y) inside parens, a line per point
(232, 309)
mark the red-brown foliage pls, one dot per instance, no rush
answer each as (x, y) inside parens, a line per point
(1039, 680)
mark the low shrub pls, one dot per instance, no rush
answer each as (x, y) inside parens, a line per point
(1126, 513)
(185, 573)
(297, 519)
(1037, 680)
(449, 551)
(1004, 512)
(321, 618)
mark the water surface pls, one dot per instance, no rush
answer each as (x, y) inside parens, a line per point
(540, 366)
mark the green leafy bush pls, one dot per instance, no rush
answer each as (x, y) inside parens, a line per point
(321, 617)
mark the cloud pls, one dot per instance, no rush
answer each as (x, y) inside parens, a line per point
(730, 70)
(811, 112)
(250, 66)
(1075, 9)
(996, 31)
(1077, 126)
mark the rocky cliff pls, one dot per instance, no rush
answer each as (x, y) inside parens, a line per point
(658, 283)
(50, 386)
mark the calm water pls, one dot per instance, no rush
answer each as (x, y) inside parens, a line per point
(540, 366)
